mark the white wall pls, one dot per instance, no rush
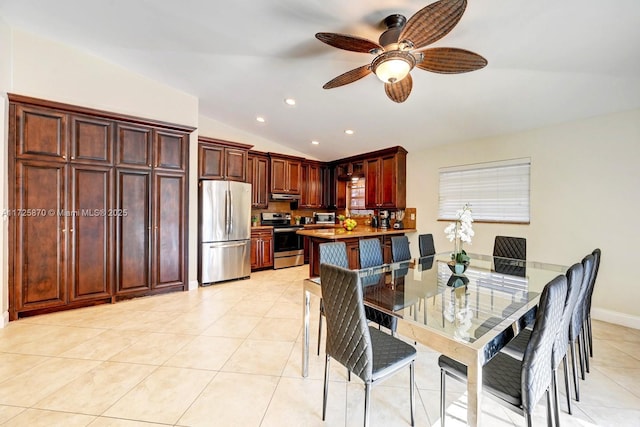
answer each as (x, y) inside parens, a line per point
(215, 129)
(584, 194)
(5, 83)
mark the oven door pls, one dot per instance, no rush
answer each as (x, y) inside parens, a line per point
(288, 248)
(286, 239)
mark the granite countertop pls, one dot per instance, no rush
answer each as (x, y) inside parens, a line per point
(262, 227)
(358, 232)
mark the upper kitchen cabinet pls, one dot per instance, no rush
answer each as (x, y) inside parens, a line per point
(385, 176)
(258, 177)
(312, 184)
(218, 159)
(347, 170)
(286, 174)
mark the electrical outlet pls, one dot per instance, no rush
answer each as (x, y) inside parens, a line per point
(393, 215)
(413, 217)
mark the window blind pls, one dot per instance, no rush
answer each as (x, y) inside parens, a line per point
(496, 191)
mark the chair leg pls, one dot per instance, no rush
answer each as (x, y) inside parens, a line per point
(326, 387)
(367, 403)
(443, 377)
(579, 340)
(527, 419)
(566, 383)
(575, 371)
(556, 399)
(549, 408)
(412, 397)
(320, 327)
(585, 349)
(590, 334)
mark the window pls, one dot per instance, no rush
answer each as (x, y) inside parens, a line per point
(496, 191)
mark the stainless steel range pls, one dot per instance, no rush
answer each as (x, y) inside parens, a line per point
(288, 247)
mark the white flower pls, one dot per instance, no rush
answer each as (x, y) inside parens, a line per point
(461, 231)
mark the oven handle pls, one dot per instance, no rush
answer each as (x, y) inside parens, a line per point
(286, 230)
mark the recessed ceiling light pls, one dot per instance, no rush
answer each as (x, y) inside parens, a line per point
(290, 101)
(315, 142)
(349, 132)
(260, 119)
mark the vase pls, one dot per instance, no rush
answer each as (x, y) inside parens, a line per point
(458, 267)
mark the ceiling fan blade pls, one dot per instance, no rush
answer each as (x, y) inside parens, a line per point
(352, 43)
(348, 77)
(433, 22)
(399, 91)
(450, 60)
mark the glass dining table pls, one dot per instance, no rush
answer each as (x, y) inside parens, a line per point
(468, 317)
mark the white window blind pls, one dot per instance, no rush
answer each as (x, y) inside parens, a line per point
(496, 191)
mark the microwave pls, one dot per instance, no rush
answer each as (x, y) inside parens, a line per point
(324, 217)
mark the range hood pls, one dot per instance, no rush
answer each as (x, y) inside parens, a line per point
(282, 196)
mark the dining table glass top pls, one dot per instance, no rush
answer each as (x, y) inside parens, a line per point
(463, 307)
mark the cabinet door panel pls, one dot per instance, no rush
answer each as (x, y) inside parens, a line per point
(236, 164)
(267, 251)
(90, 234)
(211, 162)
(169, 230)
(40, 254)
(372, 170)
(294, 177)
(91, 140)
(170, 150)
(387, 185)
(261, 183)
(134, 146)
(278, 176)
(41, 132)
(133, 262)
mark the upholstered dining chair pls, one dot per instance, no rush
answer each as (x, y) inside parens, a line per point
(334, 253)
(576, 330)
(400, 250)
(368, 353)
(370, 253)
(426, 246)
(517, 347)
(519, 385)
(587, 312)
(510, 247)
(371, 256)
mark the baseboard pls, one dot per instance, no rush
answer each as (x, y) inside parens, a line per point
(193, 285)
(615, 317)
(5, 319)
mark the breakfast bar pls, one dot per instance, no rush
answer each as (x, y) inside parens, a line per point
(351, 239)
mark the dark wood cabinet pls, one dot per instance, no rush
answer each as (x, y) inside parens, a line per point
(261, 248)
(385, 180)
(258, 177)
(101, 206)
(285, 174)
(222, 160)
(312, 185)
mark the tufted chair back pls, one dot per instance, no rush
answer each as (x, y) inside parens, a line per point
(400, 250)
(536, 365)
(334, 253)
(370, 253)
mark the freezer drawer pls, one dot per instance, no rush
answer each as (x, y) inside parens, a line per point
(225, 261)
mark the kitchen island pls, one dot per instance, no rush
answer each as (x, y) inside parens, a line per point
(351, 239)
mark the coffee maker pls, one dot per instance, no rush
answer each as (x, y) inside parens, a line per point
(384, 219)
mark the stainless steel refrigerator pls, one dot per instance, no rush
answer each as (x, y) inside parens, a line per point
(225, 233)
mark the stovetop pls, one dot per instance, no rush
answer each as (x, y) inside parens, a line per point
(277, 220)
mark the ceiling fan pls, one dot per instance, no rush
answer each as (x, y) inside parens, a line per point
(401, 48)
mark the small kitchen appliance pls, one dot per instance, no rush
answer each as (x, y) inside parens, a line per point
(324, 217)
(384, 219)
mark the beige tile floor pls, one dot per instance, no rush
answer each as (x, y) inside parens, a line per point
(229, 355)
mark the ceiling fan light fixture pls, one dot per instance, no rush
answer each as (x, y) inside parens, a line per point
(393, 66)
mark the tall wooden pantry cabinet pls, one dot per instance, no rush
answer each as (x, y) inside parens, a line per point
(97, 206)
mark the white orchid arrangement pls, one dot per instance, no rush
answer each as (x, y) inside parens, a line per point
(461, 231)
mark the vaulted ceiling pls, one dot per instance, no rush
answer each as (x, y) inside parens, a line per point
(548, 62)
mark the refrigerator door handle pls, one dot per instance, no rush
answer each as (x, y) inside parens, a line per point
(231, 245)
(230, 212)
(226, 212)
